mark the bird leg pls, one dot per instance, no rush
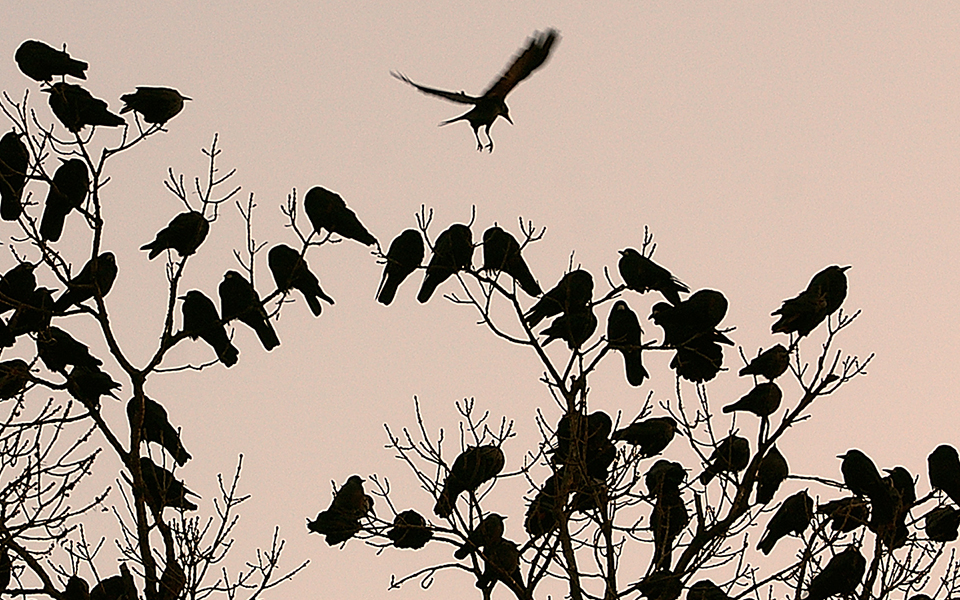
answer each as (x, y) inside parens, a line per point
(487, 130)
(476, 132)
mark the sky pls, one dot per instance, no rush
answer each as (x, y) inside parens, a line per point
(760, 142)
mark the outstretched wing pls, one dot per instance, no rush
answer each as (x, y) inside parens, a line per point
(529, 60)
(452, 96)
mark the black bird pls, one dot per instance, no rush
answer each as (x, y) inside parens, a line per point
(943, 467)
(290, 270)
(501, 252)
(488, 531)
(902, 481)
(89, 384)
(14, 161)
(157, 428)
(156, 104)
(574, 327)
(793, 516)
(118, 587)
(184, 234)
(77, 589)
(76, 108)
(590, 433)
(6, 566)
(543, 514)
(771, 363)
(668, 520)
(860, 475)
(200, 319)
(573, 292)
(14, 375)
(57, 349)
(846, 514)
(33, 314)
(410, 530)
(642, 275)
(823, 296)
(706, 590)
(474, 466)
(96, 277)
(41, 62)
(341, 521)
(763, 400)
(490, 105)
(327, 210)
(772, 472)
(239, 300)
(839, 577)
(452, 252)
(623, 334)
(17, 286)
(163, 488)
(652, 435)
(403, 258)
(664, 477)
(67, 193)
(660, 585)
(940, 524)
(502, 563)
(690, 327)
(731, 454)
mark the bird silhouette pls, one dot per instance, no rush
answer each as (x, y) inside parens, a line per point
(771, 363)
(839, 577)
(14, 161)
(793, 516)
(77, 589)
(472, 467)
(623, 334)
(491, 104)
(33, 314)
(239, 300)
(67, 192)
(95, 278)
(668, 520)
(327, 210)
(763, 400)
(156, 104)
(943, 467)
(846, 514)
(572, 293)
(543, 513)
(642, 275)
(156, 428)
(772, 472)
(164, 490)
(452, 252)
(501, 252)
(706, 590)
(341, 521)
(488, 531)
(940, 524)
(660, 585)
(41, 62)
(76, 108)
(860, 475)
(403, 258)
(823, 296)
(89, 384)
(200, 319)
(14, 375)
(664, 477)
(731, 455)
(574, 327)
(17, 286)
(410, 530)
(58, 349)
(184, 234)
(652, 435)
(291, 271)
(501, 563)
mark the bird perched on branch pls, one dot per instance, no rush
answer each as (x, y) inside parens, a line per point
(771, 363)
(17, 286)
(96, 277)
(793, 516)
(571, 294)
(67, 192)
(501, 252)
(763, 400)
(327, 210)
(410, 530)
(623, 334)
(184, 234)
(239, 300)
(772, 472)
(57, 349)
(839, 577)
(200, 319)
(943, 467)
(290, 271)
(490, 105)
(474, 466)
(76, 108)
(452, 252)
(642, 275)
(41, 62)
(651, 435)
(846, 514)
(14, 161)
(164, 489)
(341, 521)
(731, 454)
(823, 296)
(157, 428)
(488, 531)
(403, 258)
(156, 104)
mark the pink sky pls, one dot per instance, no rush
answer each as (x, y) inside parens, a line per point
(760, 142)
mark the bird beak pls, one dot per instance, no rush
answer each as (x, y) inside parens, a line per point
(845, 268)
(185, 98)
(507, 117)
(621, 252)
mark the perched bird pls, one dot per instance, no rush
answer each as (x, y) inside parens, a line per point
(89, 384)
(200, 319)
(943, 467)
(17, 286)
(173, 580)
(502, 563)
(341, 521)
(14, 161)
(589, 433)
(67, 193)
(57, 349)
(690, 327)
(846, 514)
(327, 210)
(731, 455)
(76, 108)
(156, 104)
(33, 314)
(410, 530)
(642, 275)
(487, 532)
(860, 475)
(664, 477)
(573, 292)
(902, 481)
(839, 577)
(771, 363)
(543, 514)
(501, 252)
(452, 252)
(667, 521)
(793, 516)
(118, 587)
(239, 300)
(660, 585)
(940, 524)
(490, 105)
(184, 234)
(763, 400)
(163, 488)
(706, 590)
(77, 589)
(574, 327)
(14, 376)
(652, 435)
(591, 494)
(623, 334)
(823, 296)
(290, 270)
(156, 428)
(772, 472)
(95, 278)
(403, 258)
(472, 467)
(41, 62)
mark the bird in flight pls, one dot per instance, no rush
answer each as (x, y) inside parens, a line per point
(490, 105)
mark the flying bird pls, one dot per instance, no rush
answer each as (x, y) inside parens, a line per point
(156, 104)
(184, 234)
(41, 62)
(290, 270)
(490, 105)
(403, 258)
(14, 160)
